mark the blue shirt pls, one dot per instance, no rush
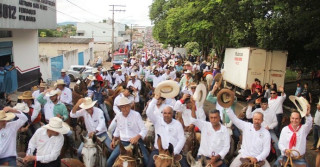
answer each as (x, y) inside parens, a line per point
(298, 91)
(66, 80)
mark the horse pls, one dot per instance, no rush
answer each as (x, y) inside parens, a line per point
(92, 153)
(191, 144)
(201, 162)
(209, 80)
(166, 157)
(149, 138)
(129, 156)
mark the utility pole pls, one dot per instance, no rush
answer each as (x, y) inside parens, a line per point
(113, 10)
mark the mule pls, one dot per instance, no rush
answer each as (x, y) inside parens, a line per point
(202, 162)
(92, 154)
(129, 156)
(191, 144)
(149, 138)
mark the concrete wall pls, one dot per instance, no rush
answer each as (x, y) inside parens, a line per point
(54, 49)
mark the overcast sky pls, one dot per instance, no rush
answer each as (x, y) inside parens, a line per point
(137, 11)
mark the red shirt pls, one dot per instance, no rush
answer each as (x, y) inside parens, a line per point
(99, 78)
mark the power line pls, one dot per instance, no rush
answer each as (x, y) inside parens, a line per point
(85, 9)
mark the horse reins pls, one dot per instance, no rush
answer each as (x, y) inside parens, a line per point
(292, 157)
(165, 157)
(125, 158)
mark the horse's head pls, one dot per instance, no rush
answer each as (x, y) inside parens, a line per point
(126, 157)
(166, 157)
(89, 151)
(193, 163)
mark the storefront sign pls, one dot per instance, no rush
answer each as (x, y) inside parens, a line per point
(28, 14)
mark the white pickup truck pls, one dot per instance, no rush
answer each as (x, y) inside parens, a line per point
(242, 65)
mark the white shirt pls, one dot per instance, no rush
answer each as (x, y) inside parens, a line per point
(8, 136)
(155, 109)
(156, 80)
(48, 149)
(107, 77)
(170, 102)
(130, 126)
(302, 134)
(196, 67)
(317, 118)
(200, 112)
(212, 141)
(116, 102)
(66, 96)
(35, 95)
(269, 117)
(255, 143)
(118, 78)
(125, 70)
(48, 108)
(36, 111)
(186, 113)
(276, 104)
(170, 133)
(94, 123)
(136, 84)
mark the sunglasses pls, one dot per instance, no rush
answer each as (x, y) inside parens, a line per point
(273, 93)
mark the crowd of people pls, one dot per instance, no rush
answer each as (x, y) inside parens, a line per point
(164, 91)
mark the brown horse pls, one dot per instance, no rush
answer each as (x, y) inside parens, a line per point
(201, 162)
(127, 156)
(191, 144)
(166, 157)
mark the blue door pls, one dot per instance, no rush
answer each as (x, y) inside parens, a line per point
(56, 66)
(80, 58)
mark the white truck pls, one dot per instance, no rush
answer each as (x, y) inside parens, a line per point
(242, 65)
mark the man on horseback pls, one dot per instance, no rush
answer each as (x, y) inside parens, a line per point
(8, 134)
(93, 119)
(215, 140)
(119, 78)
(130, 130)
(170, 130)
(135, 86)
(255, 141)
(293, 139)
(48, 141)
(65, 93)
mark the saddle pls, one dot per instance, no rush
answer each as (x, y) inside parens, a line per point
(247, 163)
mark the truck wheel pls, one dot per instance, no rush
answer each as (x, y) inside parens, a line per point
(72, 79)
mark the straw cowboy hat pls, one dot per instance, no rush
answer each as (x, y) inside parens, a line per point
(119, 70)
(87, 103)
(208, 64)
(188, 72)
(133, 74)
(56, 124)
(168, 89)
(301, 104)
(34, 88)
(43, 85)
(218, 78)
(200, 94)
(171, 63)
(104, 70)
(60, 82)
(188, 63)
(26, 95)
(63, 70)
(94, 71)
(23, 107)
(225, 98)
(6, 116)
(91, 78)
(53, 93)
(124, 101)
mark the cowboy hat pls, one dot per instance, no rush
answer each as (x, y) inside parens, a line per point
(34, 88)
(53, 93)
(168, 89)
(94, 71)
(133, 74)
(119, 70)
(208, 64)
(26, 95)
(200, 94)
(43, 85)
(215, 65)
(6, 116)
(91, 77)
(60, 82)
(188, 72)
(171, 63)
(225, 98)
(104, 70)
(22, 107)
(218, 78)
(56, 124)
(124, 101)
(193, 84)
(87, 103)
(188, 63)
(63, 70)
(78, 82)
(301, 104)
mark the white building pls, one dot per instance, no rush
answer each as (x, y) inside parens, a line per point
(19, 24)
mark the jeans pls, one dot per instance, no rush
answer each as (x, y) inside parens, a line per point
(116, 152)
(183, 162)
(301, 161)
(10, 160)
(55, 163)
(278, 128)
(275, 141)
(316, 135)
(222, 165)
(103, 107)
(70, 139)
(107, 142)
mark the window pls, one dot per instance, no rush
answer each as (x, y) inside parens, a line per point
(5, 34)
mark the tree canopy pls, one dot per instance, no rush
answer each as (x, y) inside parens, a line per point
(217, 24)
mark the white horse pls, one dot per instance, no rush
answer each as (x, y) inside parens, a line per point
(91, 152)
(209, 79)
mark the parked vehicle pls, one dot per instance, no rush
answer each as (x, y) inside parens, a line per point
(79, 71)
(242, 65)
(117, 60)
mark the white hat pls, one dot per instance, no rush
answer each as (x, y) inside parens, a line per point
(6, 116)
(188, 72)
(22, 107)
(215, 65)
(208, 64)
(56, 124)
(60, 82)
(171, 63)
(94, 70)
(78, 82)
(301, 104)
(119, 70)
(133, 74)
(123, 101)
(53, 93)
(200, 93)
(188, 63)
(104, 70)
(87, 103)
(167, 89)
(63, 70)
(91, 77)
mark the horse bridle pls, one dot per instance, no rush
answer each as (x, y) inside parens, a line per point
(292, 157)
(166, 157)
(126, 158)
